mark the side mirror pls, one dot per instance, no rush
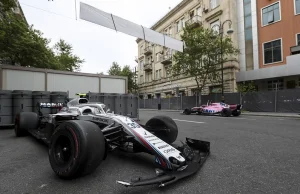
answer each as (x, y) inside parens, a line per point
(108, 110)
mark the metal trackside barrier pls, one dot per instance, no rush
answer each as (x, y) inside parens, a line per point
(96, 97)
(132, 106)
(22, 101)
(41, 97)
(109, 101)
(6, 108)
(121, 104)
(58, 98)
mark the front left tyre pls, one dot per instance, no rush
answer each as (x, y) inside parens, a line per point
(25, 121)
(76, 149)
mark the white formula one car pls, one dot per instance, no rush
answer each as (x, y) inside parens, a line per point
(81, 135)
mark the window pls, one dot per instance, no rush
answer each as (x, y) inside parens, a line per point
(159, 74)
(298, 39)
(170, 30)
(156, 74)
(179, 26)
(157, 57)
(214, 3)
(275, 85)
(215, 26)
(297, 6)
(141, 65)
(141, 79)
(141, 51)
(199, 11)
(270, 14)
(272, 51)
(182, 23)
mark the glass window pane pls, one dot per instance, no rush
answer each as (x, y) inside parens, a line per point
(270, 8)
(267, 45)
(265, 18)
(248, 21)
(276, 5)
(297, 6)
(268, 56)
(276, 15)
(298, 39)
(277, 54)
(265, 10)
(248, 34)
(247, 1)
(271, 17)
(276, 43)
(247, 9)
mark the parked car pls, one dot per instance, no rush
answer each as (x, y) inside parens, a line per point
(218, 108)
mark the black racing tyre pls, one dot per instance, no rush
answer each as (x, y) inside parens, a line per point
(76, 149)
(226, 112)
(25, 121)
(187, 111)
(164, 128)
(236, 113)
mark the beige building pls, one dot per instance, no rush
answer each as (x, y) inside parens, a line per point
(154, 61)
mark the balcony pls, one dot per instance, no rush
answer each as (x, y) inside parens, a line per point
(195, 21)
(295, 50)
(148, 67)
(166, 59)
(148, 50)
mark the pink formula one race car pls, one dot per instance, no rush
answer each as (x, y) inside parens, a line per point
(219, 108)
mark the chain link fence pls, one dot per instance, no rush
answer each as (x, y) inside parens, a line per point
(264, 101)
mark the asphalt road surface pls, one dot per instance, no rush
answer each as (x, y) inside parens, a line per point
(248, 155)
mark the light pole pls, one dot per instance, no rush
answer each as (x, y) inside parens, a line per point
(221, 33)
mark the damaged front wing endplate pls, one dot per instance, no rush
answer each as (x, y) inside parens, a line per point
(194, 151)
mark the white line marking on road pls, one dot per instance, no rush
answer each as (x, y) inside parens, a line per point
(188, 121)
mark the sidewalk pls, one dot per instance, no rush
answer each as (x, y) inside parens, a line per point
(269, 114)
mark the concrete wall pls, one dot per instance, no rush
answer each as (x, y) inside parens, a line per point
(25, 78)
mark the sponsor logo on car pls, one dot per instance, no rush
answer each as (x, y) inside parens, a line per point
(169, 150)
(157, 142)
(154, 139)
(148, 136)
(51, 105)
(163, 146)
(100, 119)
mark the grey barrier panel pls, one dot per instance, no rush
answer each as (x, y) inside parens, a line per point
(165, 103)
(121, 105)
(41, 97)
(175, 103)
(259, 101)
(232, 98)
(6, 109)
(288, 100)
(58, 97)
(22, 101)
(109, 101)
(142, 103)
(188, 101)
(132, 106)
(96, 97)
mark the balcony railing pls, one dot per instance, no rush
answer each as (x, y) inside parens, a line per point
(166, 59)
(148, 66)
(295, 50)
(195, 21)
(148, 50)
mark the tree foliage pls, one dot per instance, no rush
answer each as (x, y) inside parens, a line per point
(246, 87)
(201, 57)
(7, 5)
(23, 45)
(116, 70)
(66, 60)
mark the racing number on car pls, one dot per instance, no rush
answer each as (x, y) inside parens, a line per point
(133, 125)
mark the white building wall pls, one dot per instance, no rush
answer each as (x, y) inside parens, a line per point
(72, 83)
(23, 80)
(112, 85)
(241, 35)
(254, 35)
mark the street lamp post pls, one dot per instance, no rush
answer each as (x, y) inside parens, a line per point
(221, 33)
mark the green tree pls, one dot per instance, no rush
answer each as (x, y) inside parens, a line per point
(23, 45)
(115, 69)
(7, 5)
(67, 61)
(201, 57)
(245, 88)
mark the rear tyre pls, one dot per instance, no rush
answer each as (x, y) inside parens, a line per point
(164, 128)
(25, 121)
(226, 112)
(187, 111)
(76, 149)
